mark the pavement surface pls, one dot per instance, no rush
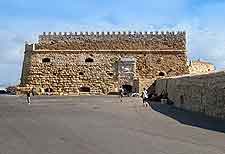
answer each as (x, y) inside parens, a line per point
(103, 125)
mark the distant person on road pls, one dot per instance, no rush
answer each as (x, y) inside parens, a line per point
(121, 91)
(28, 97)
(145, 97)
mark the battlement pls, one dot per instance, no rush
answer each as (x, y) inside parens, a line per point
(61, 35)
(29, 47)
(112, 40)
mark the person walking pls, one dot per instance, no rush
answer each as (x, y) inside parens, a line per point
(28, 97)
(145, 97)
(121, 91)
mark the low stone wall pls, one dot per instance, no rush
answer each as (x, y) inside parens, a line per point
(199, 93)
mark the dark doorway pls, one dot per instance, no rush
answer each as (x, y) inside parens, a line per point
(84, 89)
(127, 89)
(181, 99)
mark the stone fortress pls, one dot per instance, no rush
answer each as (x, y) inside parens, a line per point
(101, 62)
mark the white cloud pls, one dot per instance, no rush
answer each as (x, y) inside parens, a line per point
(207, 34)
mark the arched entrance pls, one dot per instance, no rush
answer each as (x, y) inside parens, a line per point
(127, 89)
(48, 90)
(84, 89)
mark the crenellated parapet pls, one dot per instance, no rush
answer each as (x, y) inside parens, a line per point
(112, 41)
(29, 47)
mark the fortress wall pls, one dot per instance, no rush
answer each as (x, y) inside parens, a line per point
(198, 93)
(157, 54)
(26, 63)
(62, 72)
(112, 41)
(198, 67)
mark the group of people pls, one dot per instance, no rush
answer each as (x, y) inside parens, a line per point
(144, 96)
(33, 92)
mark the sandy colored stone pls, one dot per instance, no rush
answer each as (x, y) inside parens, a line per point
(198, 67)
(199, 93)
(146, 55)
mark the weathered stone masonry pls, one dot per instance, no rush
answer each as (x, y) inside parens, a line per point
(198, 67)
(99, 63)
(199, 93)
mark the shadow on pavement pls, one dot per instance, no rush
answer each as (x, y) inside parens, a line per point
(190, 118)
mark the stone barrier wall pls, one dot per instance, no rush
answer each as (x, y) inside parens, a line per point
(199, 93)
(113, 41)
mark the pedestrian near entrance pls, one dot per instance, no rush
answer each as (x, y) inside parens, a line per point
(121, 91)
(28, 97)
(145, 97)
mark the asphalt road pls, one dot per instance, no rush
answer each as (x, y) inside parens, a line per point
(102, 125)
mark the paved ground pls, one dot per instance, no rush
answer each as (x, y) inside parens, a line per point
(101, 125)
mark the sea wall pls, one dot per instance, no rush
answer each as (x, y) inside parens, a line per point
(199, 93)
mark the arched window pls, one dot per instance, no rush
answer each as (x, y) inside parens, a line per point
(84, 89)
(46, 60)
(162, 74)
(89, 60)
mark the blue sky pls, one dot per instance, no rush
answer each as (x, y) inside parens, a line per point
(24, 20)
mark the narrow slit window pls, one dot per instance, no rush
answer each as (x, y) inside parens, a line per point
(81, 73)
